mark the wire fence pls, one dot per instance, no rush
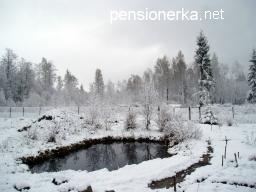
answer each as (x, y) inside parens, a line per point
(241, 114)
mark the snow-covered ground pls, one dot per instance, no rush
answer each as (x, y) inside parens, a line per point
(214, 177)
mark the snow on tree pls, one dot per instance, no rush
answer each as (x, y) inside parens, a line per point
(163, 116)
(162, 75)
(25, 80)
(93, 113)
(130, 121)
(46, 74)
(110, 92)
(46, 77)
(238, 84)
(175, 127)
(252, 79)
(2, 98)
(203, 65)
(216, 94)
(149, 98)
(208, 117)
(34, 100)
(99, 84)
(81, 95)
(179, 67)
(134, 87)
(70, 88)
(8, 66)
(60, 83)
(191, 84)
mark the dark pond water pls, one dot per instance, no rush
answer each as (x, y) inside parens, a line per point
(110, 156)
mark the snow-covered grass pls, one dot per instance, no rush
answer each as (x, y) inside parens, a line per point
(14, 144)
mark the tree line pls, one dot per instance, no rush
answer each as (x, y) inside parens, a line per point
(172, 80)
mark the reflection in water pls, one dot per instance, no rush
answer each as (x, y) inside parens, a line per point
(110, 156)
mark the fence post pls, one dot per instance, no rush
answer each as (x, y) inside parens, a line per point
(236, 160)
(225, 152)
(10, 112)
(174, 182)
(40, 110)
(199, 108)
(78, 110)
(189, 113)
(233, 112)
(23, 111)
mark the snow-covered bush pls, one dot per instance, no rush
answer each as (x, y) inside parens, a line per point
(147, 113)
(181, 130)
(130, 122)
(106, 117)
(251, 139)
(174, 126)
(92, 115)
(32, 133)
(99, 116)
(163, 116)
(54, 126)
(208, 117)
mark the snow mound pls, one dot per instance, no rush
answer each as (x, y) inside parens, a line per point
(55, 126)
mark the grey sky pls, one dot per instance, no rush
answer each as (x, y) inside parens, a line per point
(78, 35)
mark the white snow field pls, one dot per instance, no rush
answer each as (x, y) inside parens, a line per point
(232, 176)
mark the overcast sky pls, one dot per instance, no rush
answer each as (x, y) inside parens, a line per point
(77, 34)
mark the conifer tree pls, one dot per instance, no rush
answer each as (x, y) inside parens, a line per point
(203, 65)
(252, 79)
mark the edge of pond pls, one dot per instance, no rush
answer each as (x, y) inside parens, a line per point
(84, 144)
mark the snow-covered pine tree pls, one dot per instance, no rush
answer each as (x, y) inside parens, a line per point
(203, 65)
(252, 79)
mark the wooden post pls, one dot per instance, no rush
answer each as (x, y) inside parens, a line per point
(78, 110)
(238, 154)
(40, 110)
(236, 160)
(199, 108)
(167, 95)
(222, 160)
(233, 112)
(225, 153)
(23, 111)
(174, 182)
(189, 113)
(10, 112)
